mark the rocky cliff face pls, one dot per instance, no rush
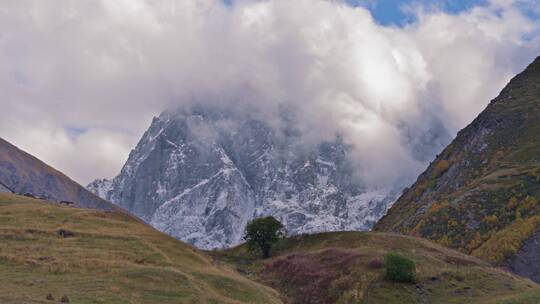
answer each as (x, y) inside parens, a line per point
(526, 262)
(21, 173)
(100, 187)
(201, 176)
(481, 195)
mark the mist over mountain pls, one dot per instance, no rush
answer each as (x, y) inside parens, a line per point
(394, 97)
(201, 174)
(90, 75)
(270, 151)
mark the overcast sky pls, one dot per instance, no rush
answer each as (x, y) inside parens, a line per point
(81, 79)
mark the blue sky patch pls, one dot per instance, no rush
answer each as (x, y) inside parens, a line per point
(394, 12)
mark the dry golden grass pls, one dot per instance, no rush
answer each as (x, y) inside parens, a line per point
(112, 258)
(338, 266)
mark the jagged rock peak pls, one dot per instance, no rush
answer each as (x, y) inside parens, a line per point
(200, 175)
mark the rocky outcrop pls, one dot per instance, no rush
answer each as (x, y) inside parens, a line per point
(100, 187)
(201, 175)
(527, 261)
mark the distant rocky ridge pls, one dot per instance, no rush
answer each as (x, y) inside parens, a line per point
(4, 189)
(200, 175)
(23, 174)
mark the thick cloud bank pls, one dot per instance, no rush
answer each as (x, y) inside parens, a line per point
(80, 80)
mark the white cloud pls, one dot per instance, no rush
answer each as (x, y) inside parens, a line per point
(109, 66)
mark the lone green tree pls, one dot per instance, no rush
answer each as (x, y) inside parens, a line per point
(263, 233)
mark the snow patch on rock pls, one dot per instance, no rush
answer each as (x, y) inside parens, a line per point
(201, 176)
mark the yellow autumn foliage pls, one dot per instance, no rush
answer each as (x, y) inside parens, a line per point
(512, 204)
(536, 173)
(435, 208)
(530, 203)
(505, 243)
(475, 242)
(440, 168)
(444, 241)
(420, 189)
(490, 220)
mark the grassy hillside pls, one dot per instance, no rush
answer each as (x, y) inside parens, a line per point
(345, 267)
(102, 257)
(482, 193)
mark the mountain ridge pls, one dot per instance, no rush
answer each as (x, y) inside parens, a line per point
(200, 175)
(22, 173)
(481, 194)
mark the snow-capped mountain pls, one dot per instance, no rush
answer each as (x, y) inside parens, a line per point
(200, 176)
(101, 187)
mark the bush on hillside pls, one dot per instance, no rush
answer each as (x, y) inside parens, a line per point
(399, 269)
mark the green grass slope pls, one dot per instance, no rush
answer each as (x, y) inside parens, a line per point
(345, 267)
(482, 193)
(111, 258)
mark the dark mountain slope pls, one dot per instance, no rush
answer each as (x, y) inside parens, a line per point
(22, 173)
(481, 195)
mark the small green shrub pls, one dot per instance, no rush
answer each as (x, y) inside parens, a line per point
(398, 268)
